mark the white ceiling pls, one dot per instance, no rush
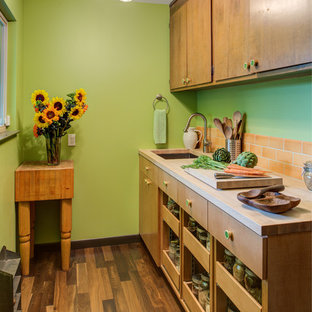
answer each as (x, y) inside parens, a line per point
(154, 1)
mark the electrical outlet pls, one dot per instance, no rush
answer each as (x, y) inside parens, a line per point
(72, 140)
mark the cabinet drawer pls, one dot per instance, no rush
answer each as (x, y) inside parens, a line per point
(235, 291)
(195, 205)
(245, 244)
(197, 249)
(171, 220)
(148, 168)
(171, 269)
(168, 184)
(189, 299)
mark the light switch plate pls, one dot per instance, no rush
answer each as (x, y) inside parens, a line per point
(72, 140)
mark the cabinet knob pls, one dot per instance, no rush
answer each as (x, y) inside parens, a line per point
(246, 66)
(165, 183)
(147, 168)
(188, 80)
(188, 203)
(183, 81)
(228, 234)
(147, 182)
(254, 63)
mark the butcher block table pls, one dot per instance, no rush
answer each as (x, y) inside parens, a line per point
(36, 181)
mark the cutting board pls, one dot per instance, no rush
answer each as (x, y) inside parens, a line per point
(207, 176)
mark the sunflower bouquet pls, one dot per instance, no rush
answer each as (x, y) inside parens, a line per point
(53, 118)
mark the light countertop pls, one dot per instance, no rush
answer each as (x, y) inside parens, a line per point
(298, 219)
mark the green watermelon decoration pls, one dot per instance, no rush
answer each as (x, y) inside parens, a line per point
(222, 155)
(246, 159)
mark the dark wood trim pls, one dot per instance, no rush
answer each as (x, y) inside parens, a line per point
(89, 243)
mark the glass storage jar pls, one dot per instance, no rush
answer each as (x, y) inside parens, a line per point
(239, 271)
(172, 249)
(191, 225)
(203, 294)
(229, 260)
(203, 239)
(307, 174)
(199, 231)
(253, 284)
(196, 281)
(176, 212)
(205, 277)
(208, 242)
(171, 204)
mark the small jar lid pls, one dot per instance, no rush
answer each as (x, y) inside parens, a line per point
(205, 277)
(228, 253)
(249, 272)
(196, 278)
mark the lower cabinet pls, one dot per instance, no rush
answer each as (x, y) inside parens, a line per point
(215, 263)
(149, 215)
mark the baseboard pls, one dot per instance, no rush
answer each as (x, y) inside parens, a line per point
(89, 243)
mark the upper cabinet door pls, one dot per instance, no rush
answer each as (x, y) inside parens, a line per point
(230, 38)
(198, 42)
(280, 33)
(178, 58)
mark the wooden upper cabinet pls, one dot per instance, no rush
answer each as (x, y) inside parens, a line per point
(251, 36)
(178, 65)
(198, 42)
(280, 33)
(190, 43)
(230, 38)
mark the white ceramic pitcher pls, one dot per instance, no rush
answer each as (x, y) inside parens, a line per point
(190, 138)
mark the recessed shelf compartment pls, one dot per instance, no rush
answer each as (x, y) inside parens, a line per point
(170, 269)
(171, 220)
(235, 291)
(197, 249)
(189, 298)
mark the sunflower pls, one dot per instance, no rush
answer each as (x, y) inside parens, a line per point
(50, 114)
(40, 121)
(80, 96)
(59, 105)
(40, 95)
(76, 112)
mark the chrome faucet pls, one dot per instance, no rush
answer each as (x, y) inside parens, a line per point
(205, 142)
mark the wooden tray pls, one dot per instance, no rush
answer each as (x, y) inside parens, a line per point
(271, 202)
(207, 176)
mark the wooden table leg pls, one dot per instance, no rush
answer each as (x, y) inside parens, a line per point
(24, 234)
(32, 229)
(66, 227)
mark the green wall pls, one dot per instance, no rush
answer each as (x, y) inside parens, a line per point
(10, 154)
(118, 52)
(281, 108)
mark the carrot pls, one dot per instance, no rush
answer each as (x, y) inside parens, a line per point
(242, 172)
(234, 166)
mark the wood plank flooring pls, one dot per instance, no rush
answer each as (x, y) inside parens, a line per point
(120, 278)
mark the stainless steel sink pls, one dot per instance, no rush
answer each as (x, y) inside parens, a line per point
(177, 155)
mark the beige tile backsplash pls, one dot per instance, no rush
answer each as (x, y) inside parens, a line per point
(280, 155)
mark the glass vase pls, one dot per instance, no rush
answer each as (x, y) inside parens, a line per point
(53, 145)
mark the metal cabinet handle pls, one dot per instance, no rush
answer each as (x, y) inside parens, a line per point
(147, 182)
(228, 235)
(183, 81)
(188, 80)
(189, 203)
(147, 168)
(165, 183)
(246, 66)
(254, 63)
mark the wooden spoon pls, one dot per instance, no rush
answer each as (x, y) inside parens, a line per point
(218, 124)
(236, 131)
(228, 132)
(258, 192)
(229, 123)
(241, 128)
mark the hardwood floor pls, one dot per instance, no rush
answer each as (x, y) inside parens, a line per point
(119, 278)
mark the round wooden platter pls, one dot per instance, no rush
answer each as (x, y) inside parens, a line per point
(271, 202)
